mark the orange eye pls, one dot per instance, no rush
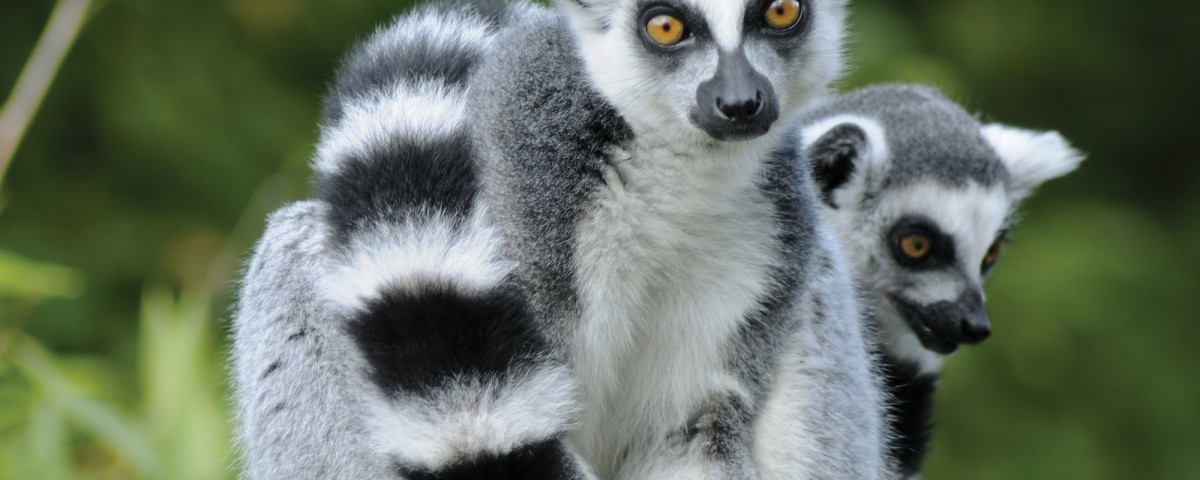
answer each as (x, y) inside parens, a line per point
(992, 254)
(665, 30)
(915, 247)
(783, 14)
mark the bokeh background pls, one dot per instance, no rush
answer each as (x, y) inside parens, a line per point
(174, 127)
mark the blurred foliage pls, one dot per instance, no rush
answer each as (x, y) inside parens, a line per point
(174, 127)
(74, 416)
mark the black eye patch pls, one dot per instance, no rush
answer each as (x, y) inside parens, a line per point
(918, 244)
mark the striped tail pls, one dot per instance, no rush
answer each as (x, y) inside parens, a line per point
(467, 385)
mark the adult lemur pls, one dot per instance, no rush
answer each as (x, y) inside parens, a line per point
(921, 197)
(562, 244)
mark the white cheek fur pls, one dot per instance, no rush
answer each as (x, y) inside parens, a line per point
(971, 215)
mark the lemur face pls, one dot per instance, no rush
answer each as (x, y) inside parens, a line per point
(921, 248)
(706, 70)
(921, 197)
(931, 246)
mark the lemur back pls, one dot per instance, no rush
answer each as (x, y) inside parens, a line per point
(521, 266)
(922, 197)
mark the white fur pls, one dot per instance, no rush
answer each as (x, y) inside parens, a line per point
(654, 103)
(424, 112)
(304, 414)
(1032, 157)
(675, 257)
(614, 62)
(823, 59)
(655, 464)
(676, 251)
(670, 261)
(972, 216)
(449, 31)
(414, 256)
(812, 374)
(877, 154)
(473, 417)
(725, 21)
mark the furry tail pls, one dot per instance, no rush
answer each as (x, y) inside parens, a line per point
(465, 380)
(394, 141)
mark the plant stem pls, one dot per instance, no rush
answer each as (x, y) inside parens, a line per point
(61, 30)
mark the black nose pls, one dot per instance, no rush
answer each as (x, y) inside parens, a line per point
(974, 331)
(974, 323)
(942, 326)
(737, 103)
(741, 109)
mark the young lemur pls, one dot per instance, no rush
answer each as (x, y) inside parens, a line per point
(921, 196)
(563, 244)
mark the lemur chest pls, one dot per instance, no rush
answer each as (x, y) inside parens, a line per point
(670, 264)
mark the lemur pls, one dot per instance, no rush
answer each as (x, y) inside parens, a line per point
(563, 244)
(922, 197)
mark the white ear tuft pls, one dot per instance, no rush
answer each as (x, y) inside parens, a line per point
(1032, 157)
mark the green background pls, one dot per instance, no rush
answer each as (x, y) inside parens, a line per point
(173, 128)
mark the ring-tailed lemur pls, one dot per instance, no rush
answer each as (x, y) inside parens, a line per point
(921, 196)
(563, 244)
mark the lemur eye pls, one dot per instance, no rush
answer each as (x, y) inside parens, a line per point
(783, 14)
(992, 254)
(665, 30)
(915, 246)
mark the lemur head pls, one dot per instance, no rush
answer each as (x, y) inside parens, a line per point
(922, 196)
(708, 70)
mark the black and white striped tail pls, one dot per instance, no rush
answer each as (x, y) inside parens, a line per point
(467, 385)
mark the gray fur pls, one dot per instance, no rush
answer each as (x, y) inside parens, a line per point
(295, 370)
(916, 117)
(546, 152)
(703, 312)
(543, 155)
(894, 160)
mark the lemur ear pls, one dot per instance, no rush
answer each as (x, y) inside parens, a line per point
(836, 149)
(1032, 157)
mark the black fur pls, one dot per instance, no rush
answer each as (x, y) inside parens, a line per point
(942, 249)
(270, 369)
(418, 341)
(833, 158)
(401, 179)
(912, 409)
(424, 59)
(375, 66)
(548, 460)
(942, 326)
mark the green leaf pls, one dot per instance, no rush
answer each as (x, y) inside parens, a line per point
(181, 386)
(49, 449)
(21, 277)
(95, 418)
